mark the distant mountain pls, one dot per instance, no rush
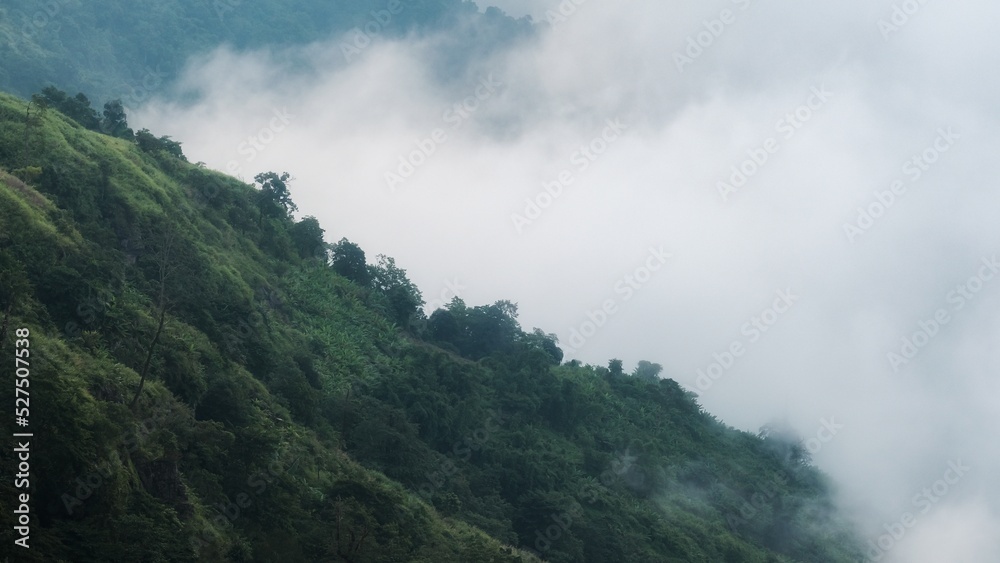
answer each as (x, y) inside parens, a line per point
(210, 380)
(131, 51)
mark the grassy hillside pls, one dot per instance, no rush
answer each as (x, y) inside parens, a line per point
(297, 406)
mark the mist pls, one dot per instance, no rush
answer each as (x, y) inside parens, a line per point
(790, 207)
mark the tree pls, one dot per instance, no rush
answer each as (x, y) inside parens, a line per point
(165, 263)
(115, 121)
(348, 260)
(546, 342)
(485, 329)
(615, 368)
(148, 142)
(76, 108)
(80, 110)
(172, 147)
(442, 326)
(403, 296)
(781, 438)
(274, 198)
(32, 122)
(648, 371)
(307, 236)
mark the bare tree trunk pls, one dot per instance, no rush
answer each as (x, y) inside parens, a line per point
(27, 131)
(163, 259)
(354, 542)
(149, 354)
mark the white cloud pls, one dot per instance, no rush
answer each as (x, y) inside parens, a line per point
(657, 185)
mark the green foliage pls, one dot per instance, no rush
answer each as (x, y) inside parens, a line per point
(547, 342)
(443, 328)
(647, 370)
(477, 332)
(275, 200)
(287, 416)
(348, 260)
(76, 108)
(115, 122)
(152, 144)
(307, 236)
(402, 296)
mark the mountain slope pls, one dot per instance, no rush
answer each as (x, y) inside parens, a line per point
(296, 404)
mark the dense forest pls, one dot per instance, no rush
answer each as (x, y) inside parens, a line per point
(213, 381)
(216, 376)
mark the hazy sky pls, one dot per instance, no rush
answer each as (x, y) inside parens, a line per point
(784, 190)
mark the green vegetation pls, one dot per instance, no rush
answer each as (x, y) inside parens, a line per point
(211, 381)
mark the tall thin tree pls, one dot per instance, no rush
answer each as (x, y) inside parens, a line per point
(29, 122)
(164, 260)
